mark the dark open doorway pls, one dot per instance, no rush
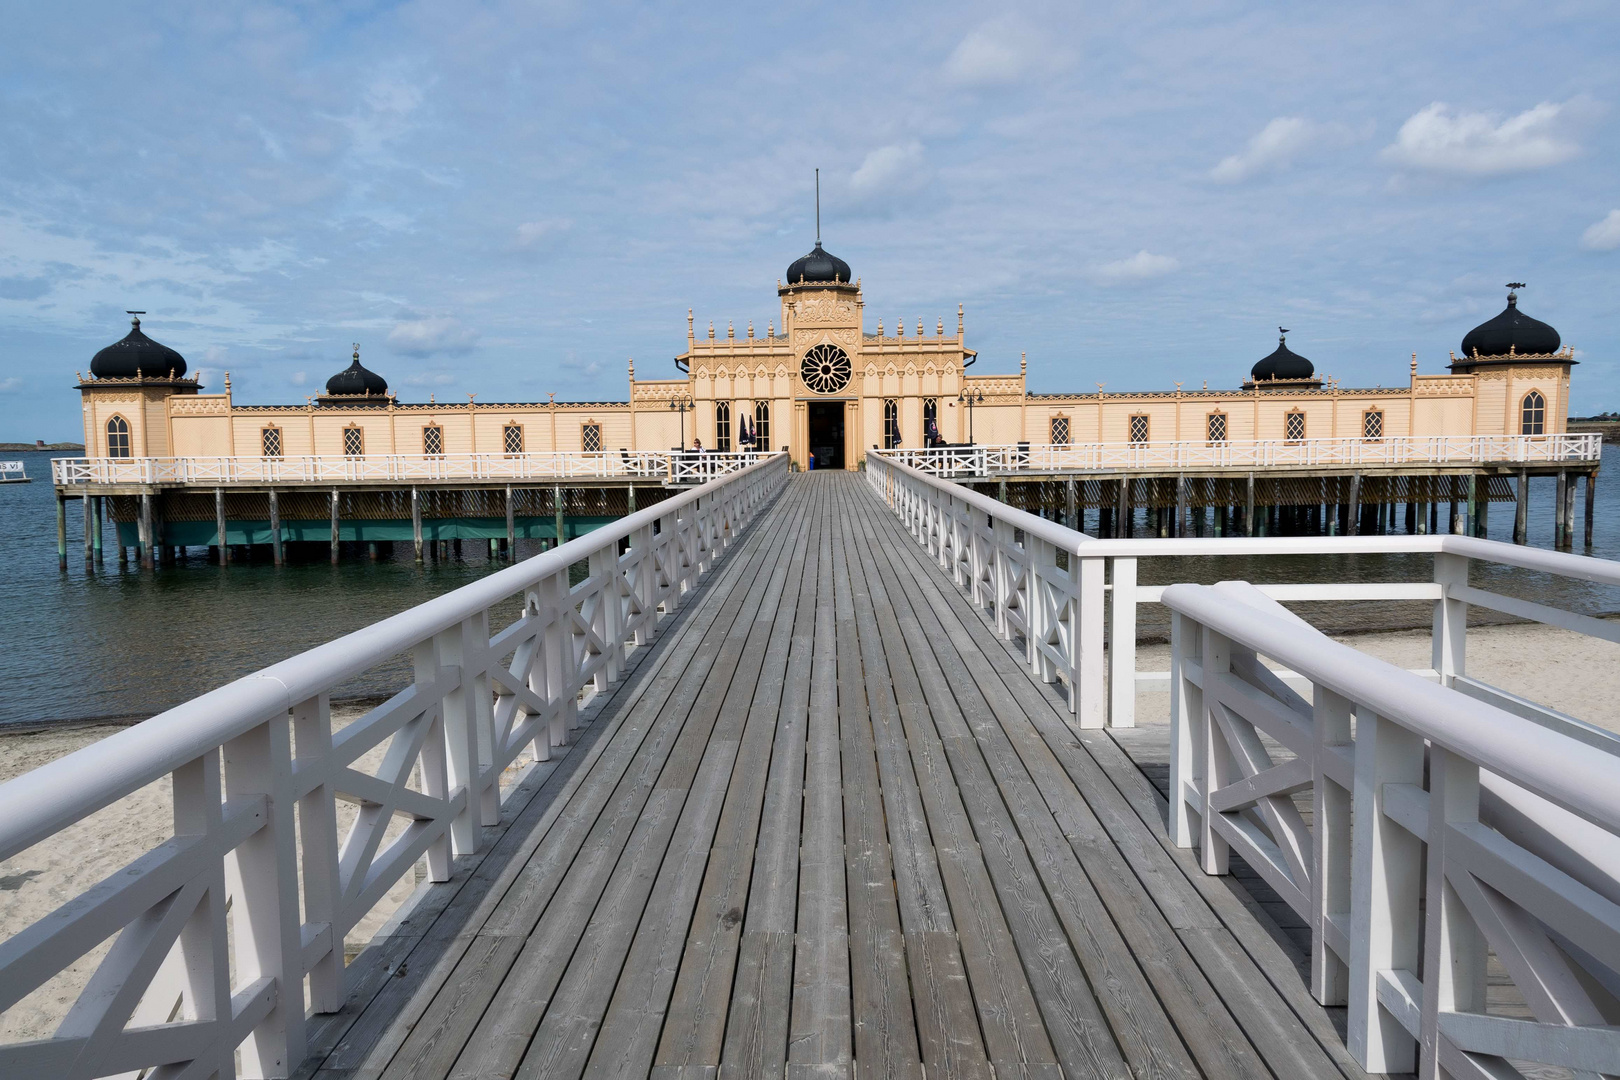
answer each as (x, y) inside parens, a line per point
(827, 433)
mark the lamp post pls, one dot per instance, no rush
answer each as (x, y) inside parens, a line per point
(681, 404)
(968, 398)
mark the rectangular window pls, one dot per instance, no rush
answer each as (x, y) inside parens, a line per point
(270, 441)
(433, 439)
(1139, 428)
(354, 442)
(512, 438)
(762, 427)
(891, 423)
(1060, 431)
(1294, 426)
(722, 427)
(590, 437)
(1216, 427)
(1372, 424)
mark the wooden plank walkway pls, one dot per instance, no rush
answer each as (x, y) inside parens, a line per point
(829, 826)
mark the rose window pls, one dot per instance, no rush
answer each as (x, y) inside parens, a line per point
(825, 369)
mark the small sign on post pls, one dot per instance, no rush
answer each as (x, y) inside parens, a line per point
(11, 472)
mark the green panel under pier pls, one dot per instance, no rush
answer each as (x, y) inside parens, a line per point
(204, 533)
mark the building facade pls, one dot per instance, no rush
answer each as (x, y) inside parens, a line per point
(821, 385)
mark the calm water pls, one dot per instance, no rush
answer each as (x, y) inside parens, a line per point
(129, 643)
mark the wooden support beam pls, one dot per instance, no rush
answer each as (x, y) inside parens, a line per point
(1180, 526)
(1521, 512)
(1569, 512)
(511, 524)
(416, 522)
(219, 526)
(101, 551)
(1355, 504)
(334, 526)
(275, 528)
(61, 531)
(557, 508)
(1248, 507)
(1559, 498)
(1591, 505)
(1071, 516)
(1122, 519)
(89, 533)
(148, 542)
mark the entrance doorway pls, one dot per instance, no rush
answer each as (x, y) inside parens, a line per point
(827, 433)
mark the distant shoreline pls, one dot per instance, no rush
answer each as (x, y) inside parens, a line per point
(25, 447)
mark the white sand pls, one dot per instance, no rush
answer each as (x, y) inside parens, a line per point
(1567, 671)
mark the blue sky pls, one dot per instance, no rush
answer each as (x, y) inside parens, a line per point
(510, 200)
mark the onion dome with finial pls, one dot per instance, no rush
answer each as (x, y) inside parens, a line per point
(1511, 332)
(818, 267)
(1283, 365)
(355, 380)
(137, 354)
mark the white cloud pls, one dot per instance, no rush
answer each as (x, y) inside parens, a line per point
(1435, 139)
(1143, 266)
(888, 170)
(9, 384)
(997, 53)
(1603, 235)
(1274, 147)
(299, 378)
(432, 334)
(429, 378)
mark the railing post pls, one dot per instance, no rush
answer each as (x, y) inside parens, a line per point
(318, 843)
(1122, 645)
(1002, 573)
(458, 652)
(561, 661)
(1214, 756)
(1086, 696)
(1330, 870)
(262, 878)
(1186, 728)
(1453, 948)
(1450, 617)
(1385, 890)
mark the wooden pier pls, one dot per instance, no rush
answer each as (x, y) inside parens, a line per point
(830, 826)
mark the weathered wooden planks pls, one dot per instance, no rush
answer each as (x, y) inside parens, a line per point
(831, 827)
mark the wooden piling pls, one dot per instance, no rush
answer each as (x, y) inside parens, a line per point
(1355, 504)
(96, 523)
(1521, 511)
(1180, 528)
(1591, 505)
(416, 523)
(89, 533)
(61, 532)
(557, 508)
(148, 541)
(1569, 514)
(275, 529)
(334, 526)
(511, 523)
(1122, 518)
(219, 526)
(1070, 502)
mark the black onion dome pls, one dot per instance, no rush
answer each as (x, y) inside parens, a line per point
(137, 354)
(1285, 363)
(819, 265)
(1511, 331)
(355, 379)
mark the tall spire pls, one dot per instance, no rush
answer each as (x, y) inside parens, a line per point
(818, 208)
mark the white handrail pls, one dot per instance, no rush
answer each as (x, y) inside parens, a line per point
(257, 766)
(1008, 560)
(1395, 450)
(1519, 827)
(671, 466)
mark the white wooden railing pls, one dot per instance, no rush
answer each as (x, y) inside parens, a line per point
(963, 461)
(671, 466)
(1053, 587)
(1440, 830)
(217, 928)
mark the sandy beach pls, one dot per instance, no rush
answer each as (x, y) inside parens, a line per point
(1567, 671)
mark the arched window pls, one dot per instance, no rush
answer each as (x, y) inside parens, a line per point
(590, 437)
(354, 441)
(1533, 414)
(722, 426)
(270, 441)
(1294, 426)
(762, 426)
(118, 437)
(1060, 431)
(891, 423)
(1372, 424)
(931, 435)
(1215, 427)
(433, 440)
(512, 438)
